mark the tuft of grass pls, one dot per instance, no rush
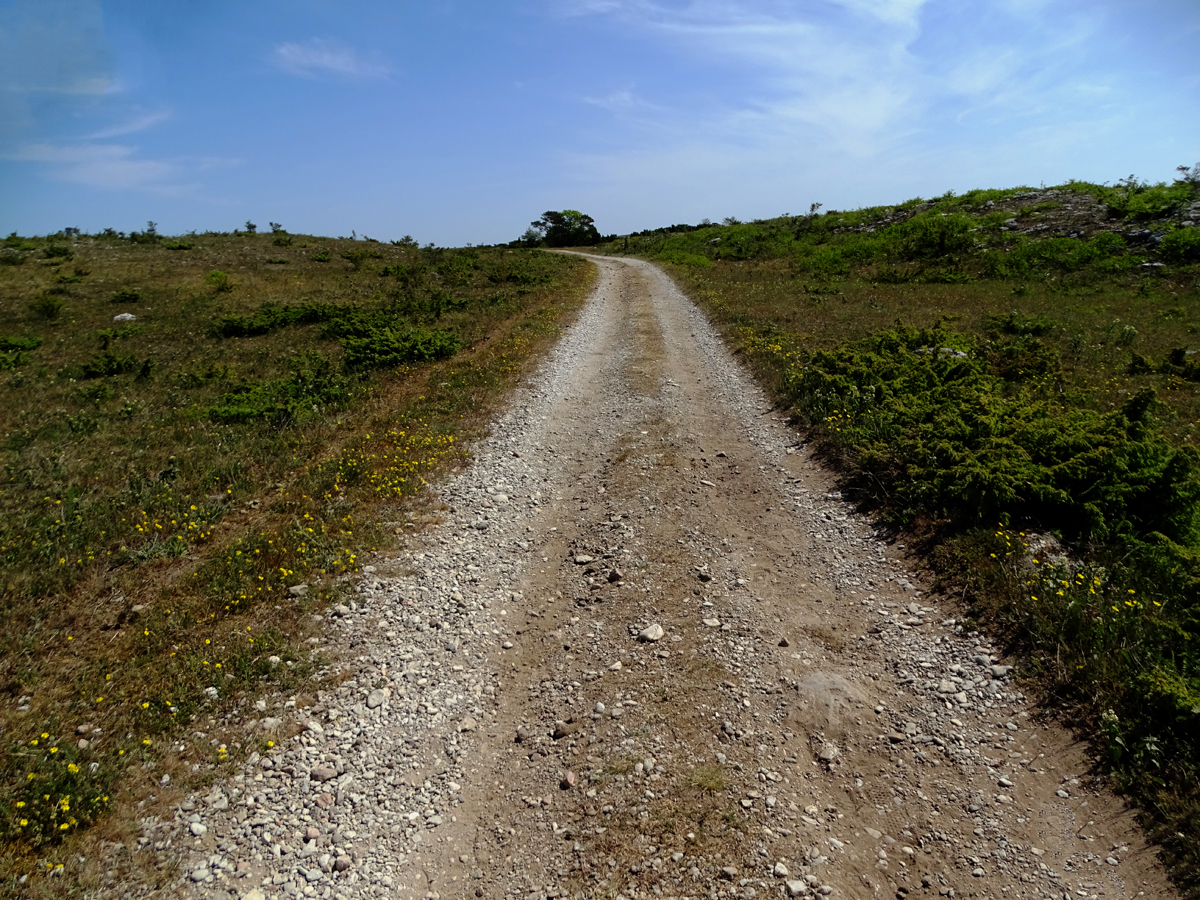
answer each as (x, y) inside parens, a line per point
(709, 778)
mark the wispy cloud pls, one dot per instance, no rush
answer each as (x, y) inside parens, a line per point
(106, 166)
(328, 57)
(117, 167)
(132, 125)
(842, 68)
(620, 101)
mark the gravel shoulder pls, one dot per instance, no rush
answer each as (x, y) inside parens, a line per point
(651, 652)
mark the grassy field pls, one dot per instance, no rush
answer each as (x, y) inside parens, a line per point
(1011, 378)
(201, 435)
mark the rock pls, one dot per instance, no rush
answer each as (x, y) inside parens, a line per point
(616, 667)
(828, 753)
(582, 559)
(85, 728)
(1113, 861)
(562, 729)
(322, 773)
(947, 687)
(780, 870)
(615, 575)
(200, 874)
(375, 698)
(342, 863)
(84, 743)
(507, 645)
(1000, 671)
(1061, 793)
(1004, 782)
(311, 834)
(712, 623)
(255, 894)
(298, 590)
(568, 781)
(198, 829)
(651, 634)
(796, 888)
(897, 738)
(467, 725)
(314, 726)
(124, 317)
(729, 873)
(783, 642)
(211, 693)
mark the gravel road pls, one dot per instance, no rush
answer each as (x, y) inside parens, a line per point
(651, 652)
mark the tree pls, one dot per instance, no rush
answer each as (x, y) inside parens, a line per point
(568, 228)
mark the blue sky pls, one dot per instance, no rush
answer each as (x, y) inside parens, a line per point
(459, 122)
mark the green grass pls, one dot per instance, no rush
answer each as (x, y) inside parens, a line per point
(990, 369)
(166, 481)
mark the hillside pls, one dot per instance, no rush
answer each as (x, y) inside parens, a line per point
(202, 437)
(1007, 378)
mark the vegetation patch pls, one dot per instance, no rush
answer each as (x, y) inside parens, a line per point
(167, 483)
(1034, 426)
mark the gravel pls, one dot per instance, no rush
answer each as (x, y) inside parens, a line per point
(430, 768)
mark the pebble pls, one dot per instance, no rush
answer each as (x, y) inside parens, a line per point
(651, 633)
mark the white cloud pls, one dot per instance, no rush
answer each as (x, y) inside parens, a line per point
(842, 71)
(106, 166)
(620, 101)
(326, 57)
(140, 122)
(117, 167)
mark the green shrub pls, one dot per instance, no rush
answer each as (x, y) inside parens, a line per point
(219, 280)
(58, 251)
(126, 295)
(1016, 324)
(271, 318)
(682, 258)
(107, 364)
(931, 433)
(935, 236)
(48, 307)
(1181, 246)
(20, 343)
(312, 388)
(387, 348)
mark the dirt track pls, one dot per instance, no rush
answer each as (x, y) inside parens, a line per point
(808, 722)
